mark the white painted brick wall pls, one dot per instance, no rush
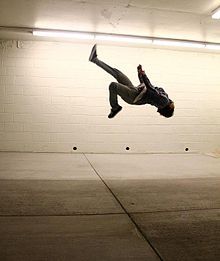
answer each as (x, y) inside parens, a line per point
(52, 99)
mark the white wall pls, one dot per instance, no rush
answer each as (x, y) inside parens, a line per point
(52, 99)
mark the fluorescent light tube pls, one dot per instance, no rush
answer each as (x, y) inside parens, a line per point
(178, 43)
(216, 14)
(64, 34)
(212, 46)
(122, 38)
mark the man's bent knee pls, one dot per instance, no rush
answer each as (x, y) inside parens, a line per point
(113, 86)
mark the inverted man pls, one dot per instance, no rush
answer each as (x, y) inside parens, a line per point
(144, 93)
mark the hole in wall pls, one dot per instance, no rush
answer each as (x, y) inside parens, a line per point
(127, 148)
(74, 148)
(186, 149)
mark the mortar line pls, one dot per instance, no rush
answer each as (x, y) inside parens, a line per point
(126, 212)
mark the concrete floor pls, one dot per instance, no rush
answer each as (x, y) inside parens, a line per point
(109, 207)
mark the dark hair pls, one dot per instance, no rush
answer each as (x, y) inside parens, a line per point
(167, 111)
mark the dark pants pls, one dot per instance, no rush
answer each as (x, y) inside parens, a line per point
(123, 87)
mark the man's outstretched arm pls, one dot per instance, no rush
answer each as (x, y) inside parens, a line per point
(145, 84)
(142, 87)
(139, 69)
(143, 77)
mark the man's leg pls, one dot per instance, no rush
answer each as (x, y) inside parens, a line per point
(126, 93)
(124, 87)
(118, 75)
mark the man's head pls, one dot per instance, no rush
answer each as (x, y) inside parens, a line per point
(168, 110)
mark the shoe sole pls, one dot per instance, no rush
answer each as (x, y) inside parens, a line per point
(115, 113)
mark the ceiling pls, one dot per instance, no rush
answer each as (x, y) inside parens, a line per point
(188, 19)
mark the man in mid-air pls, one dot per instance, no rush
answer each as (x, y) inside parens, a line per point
(144, 93)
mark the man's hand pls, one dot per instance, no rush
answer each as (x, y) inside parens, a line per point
(143, 77)
(139, 67)
(140, 70)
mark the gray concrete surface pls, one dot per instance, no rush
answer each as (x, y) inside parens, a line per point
(167, 195)
(85, 238)
(184, 235)
(45, 166)
(50, 197)
(154, 166)
(109, 207)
